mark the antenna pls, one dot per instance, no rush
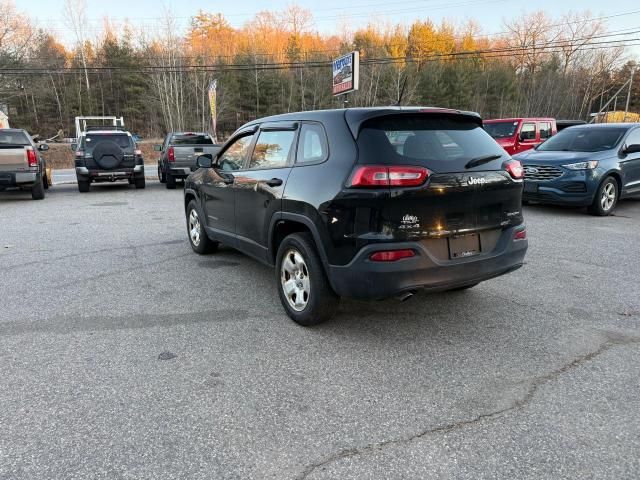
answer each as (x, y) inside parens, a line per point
(404, 84)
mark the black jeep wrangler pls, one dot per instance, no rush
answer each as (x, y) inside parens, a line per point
(107, 156)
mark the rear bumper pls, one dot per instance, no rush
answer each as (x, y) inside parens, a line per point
(17, 179)
(83, 173)
(364, 279)
(180, 172)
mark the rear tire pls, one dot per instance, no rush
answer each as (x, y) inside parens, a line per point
(84, 186)
(46, 183)
(200, 242)
(161, 175)
(37, 191)
(303, 286)
(171, 181)
(139, 183)
(606, 198)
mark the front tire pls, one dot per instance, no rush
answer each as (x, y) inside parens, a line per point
(200, 242)
(303, 286)
(606, 198)
(37, 191)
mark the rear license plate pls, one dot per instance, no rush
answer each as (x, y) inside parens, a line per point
(464, 246)
(530, 187)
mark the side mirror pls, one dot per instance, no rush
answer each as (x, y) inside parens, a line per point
(74, 146)
(204, 161)
(635, 148)
(43, 147)
(157, 148)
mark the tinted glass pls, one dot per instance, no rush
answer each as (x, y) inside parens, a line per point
(92, 139)
(528, 131)
(545, 130)
(233, 158)
(583, 140)
(272, 149)
(13, 138)
(191, 139)
(501, 129)
(312, 146)
(442, 144)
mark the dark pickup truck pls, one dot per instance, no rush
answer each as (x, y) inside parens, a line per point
(21, 165)
(179, 152)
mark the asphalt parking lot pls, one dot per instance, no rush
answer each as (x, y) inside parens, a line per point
(125, 355)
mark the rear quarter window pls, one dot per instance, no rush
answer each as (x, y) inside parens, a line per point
(441, 144)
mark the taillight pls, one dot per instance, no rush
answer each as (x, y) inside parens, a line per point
(171, 156)
(391, 255)
(392, 176)
(137, 152)
(79, 153)
(32, 158)
(520, 235)
(514, 167)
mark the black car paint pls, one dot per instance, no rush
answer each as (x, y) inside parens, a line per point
(243, 211)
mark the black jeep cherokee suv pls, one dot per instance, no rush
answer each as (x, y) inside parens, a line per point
(363, 203)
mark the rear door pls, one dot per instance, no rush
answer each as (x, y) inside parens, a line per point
(260, 187)
(458, 198)
(119, 154)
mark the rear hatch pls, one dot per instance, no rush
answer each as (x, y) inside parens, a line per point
(188, 146)
(117, 149)
(468, 197)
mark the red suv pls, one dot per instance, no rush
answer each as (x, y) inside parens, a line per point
(516, 135)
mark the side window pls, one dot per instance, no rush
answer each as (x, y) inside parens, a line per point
(312, 145)
(233, 157)
(272, 149)
(633, 138)
(528, 132)
(545, 130)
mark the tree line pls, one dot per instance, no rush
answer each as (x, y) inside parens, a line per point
(564, 67)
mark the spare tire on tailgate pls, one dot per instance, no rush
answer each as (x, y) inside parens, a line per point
(108, 154)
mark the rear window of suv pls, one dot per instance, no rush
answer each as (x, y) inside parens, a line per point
(92, 139)
(191, 139)
(442, 144)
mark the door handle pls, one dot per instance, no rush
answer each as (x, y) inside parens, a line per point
(274, 182)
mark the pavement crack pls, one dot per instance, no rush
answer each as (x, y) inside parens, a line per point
(612, 340)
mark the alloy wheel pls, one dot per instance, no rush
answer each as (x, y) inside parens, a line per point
(294, 279)
(608, 197)
(194, 228)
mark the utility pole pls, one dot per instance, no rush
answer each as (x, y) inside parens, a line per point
(626, 109)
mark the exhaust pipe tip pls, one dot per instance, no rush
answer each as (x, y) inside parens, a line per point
(404, 296)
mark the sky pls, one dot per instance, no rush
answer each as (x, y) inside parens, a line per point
(330, 15)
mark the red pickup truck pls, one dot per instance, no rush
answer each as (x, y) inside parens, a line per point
(516, 135)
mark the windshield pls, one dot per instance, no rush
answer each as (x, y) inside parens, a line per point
(501, 129)
(440, 143)
(13, 138)
(584, 140)
(92, 139)
(191, 139)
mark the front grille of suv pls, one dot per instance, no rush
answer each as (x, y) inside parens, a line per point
(542, 172)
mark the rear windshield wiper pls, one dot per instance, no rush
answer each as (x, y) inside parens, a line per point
(474, 162)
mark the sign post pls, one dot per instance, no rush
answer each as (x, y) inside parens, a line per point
(213, 86)
(346, 75)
